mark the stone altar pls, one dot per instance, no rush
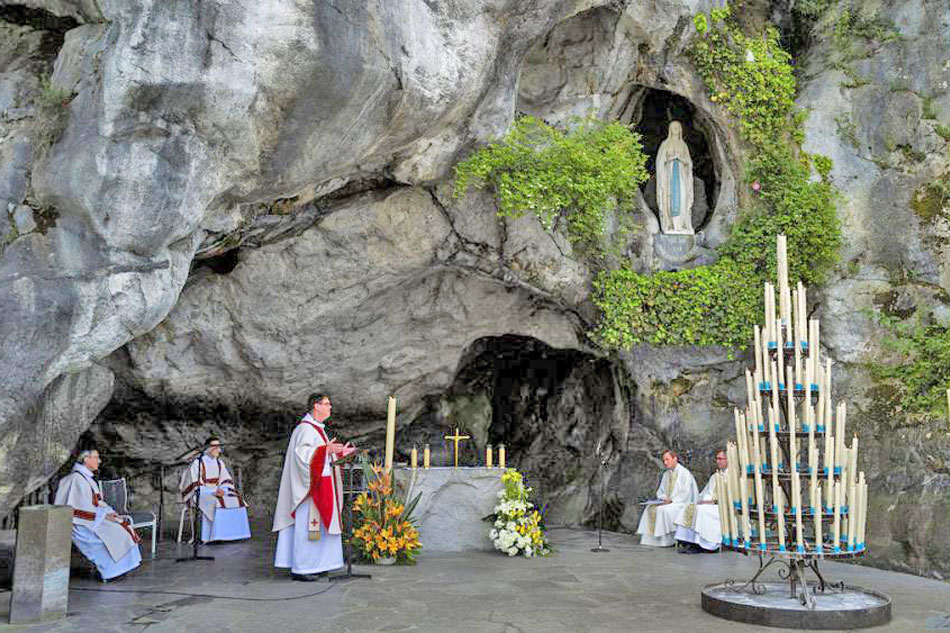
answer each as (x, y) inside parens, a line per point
(41, 571)
(453, 503)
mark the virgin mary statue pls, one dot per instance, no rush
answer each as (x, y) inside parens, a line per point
(674, 183)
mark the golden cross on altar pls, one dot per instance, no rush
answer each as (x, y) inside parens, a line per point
(457, 438)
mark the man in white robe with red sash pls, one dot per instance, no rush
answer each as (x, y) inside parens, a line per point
(98, 532)
(307, 518)
(223, 510)
(698, 524)
(677, 489)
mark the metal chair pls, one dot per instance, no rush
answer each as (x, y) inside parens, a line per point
(116, 494)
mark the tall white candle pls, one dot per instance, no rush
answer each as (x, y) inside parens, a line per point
(758, 358)
(797, 304)
(836, 532)
(827, 411)
(730, 500)
(818, 519)
(853, 465)
(862, 523)
(840, 430)
(830, 470)
(390, 433)
(799, 536)
(852, 525)
(721, 500)
(792, 429)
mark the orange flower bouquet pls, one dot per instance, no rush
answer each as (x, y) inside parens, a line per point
(383, 525)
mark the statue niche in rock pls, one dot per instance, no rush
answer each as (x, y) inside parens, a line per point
(674, 183)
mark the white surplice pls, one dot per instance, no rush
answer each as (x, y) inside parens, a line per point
(296, 518)
(224, 517)
(700, 523)
(657, 523)
(113, 547)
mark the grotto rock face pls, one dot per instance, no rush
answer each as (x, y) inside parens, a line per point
(213, 209)
(169, 124)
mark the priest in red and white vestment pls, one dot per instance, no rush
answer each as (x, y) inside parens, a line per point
(223, 509)
(307, 518)
(98, 532)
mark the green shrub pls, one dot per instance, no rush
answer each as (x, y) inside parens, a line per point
(578, 175)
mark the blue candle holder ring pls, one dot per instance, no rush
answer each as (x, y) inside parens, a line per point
(837, 470)
(801, 549)
(820, 428)
(763, 546)
(781, 548)
(773, 345)
(837, 550)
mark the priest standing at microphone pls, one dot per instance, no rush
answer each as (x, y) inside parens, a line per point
(307, 518)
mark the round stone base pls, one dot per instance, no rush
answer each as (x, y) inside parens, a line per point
(850, 608)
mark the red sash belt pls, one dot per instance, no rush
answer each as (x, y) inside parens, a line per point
(82, 514)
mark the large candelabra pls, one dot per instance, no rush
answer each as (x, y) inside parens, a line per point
(793, 493)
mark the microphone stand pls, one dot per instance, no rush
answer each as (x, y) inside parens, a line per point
(196, 520)
(348, 550)
(600, 515)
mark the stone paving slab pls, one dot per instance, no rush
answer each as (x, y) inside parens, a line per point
(631, 588)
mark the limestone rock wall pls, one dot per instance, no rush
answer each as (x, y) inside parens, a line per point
(210, 210)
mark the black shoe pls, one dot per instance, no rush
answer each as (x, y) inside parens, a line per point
(308, 577)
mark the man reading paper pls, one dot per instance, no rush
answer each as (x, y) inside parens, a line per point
(677, 489)
(307, 519)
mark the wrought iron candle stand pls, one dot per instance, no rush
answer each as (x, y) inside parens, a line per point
(801, 596)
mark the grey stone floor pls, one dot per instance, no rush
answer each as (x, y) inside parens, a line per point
(632, 588)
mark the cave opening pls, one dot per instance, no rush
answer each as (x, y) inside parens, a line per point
(653, 112)
(550, 407)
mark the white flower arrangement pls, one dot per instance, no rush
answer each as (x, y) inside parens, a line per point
(518, 527)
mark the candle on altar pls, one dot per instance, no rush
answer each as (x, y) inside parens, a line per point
(414, 458)
(501, 455)
(390, 432)
(426, 454)
(818, 519)
(813, 470)
(836, 532)
(812, 489)
(744, 504)
(488, 456)
(781, 377)
(780, 520)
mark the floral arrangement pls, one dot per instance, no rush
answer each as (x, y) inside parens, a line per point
(518, 526)
(383, 527)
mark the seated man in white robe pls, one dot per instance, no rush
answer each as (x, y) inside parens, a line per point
(223, 510)
(98, 532)
(698, 524)
(307, 517)
(677, 489)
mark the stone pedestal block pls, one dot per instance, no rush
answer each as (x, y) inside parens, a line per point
(41, 572)
(454, 501)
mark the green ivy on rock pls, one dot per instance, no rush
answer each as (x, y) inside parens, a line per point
(577, 175)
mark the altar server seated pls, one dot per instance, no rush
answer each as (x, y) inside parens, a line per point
(677, 489)
(98, 532)
(697, 524)
(223, 510)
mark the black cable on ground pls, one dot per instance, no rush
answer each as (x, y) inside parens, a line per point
(202, 595)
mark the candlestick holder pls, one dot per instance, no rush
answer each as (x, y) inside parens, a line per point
(783, 450)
